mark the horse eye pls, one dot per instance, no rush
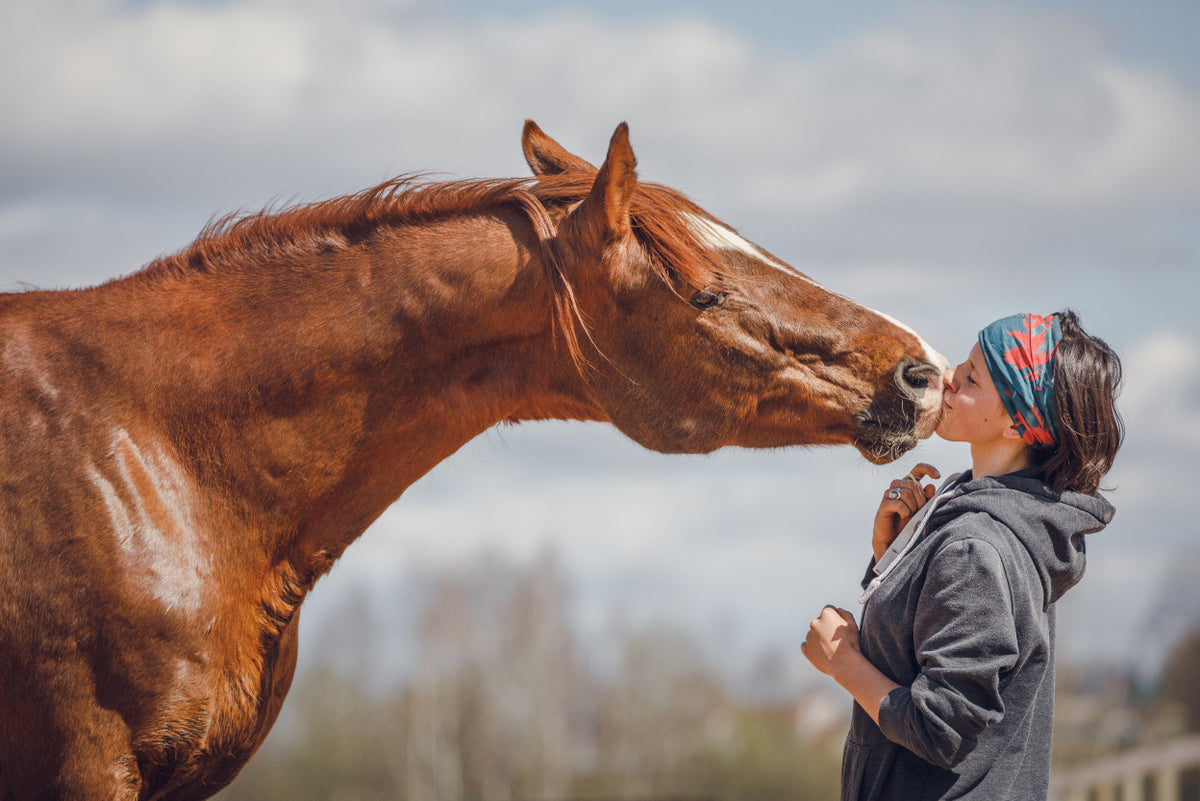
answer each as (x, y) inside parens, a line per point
(703, 299)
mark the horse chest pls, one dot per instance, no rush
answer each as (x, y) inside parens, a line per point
(199, 742)
(246, 727)
(181, 682)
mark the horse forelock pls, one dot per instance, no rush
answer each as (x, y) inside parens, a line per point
(661, 219)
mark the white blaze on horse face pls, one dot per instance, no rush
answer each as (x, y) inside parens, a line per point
(718, 237)
(931, 355)
(150, 509)
(930, 399)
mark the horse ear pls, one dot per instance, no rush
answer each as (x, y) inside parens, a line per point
(547, 157)
(606, 208)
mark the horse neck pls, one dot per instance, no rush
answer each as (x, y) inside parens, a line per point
(313, 389)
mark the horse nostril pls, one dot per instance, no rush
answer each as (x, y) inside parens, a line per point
(919, 375)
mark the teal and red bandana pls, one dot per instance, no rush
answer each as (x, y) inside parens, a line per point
(1019, 352)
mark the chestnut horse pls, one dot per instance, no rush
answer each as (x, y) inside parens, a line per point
(186, 450)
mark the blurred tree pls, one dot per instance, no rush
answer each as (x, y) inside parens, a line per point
(654, 714)
(490, 704)
(1181, 678)
(498, 704)
(764, 758)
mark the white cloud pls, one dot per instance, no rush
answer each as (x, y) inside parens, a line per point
(1007, 105)
(758, 539)
(950, 136)
(19, 219)
(1011, 106)
(1159, 394)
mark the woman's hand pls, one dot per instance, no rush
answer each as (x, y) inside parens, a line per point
(832, 646)
(904, 497)
(831, 638)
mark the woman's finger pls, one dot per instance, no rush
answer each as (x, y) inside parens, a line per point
(924, 470)
(910, 490)
(902, 495)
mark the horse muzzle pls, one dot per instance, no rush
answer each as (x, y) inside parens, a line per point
(897, 421)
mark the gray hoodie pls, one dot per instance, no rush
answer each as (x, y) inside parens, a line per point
(964, 623)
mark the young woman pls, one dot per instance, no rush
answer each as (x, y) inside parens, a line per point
(952, 671)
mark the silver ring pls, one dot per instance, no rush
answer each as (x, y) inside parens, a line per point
(893, 494)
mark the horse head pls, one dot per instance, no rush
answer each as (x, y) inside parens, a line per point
(696, 338)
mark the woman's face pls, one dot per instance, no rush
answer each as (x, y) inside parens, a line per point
(971, 407)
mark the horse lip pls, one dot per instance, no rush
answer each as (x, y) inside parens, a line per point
(930, 420)
(885, 453)
(880, 443)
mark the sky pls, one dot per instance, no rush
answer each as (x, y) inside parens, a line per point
(949, 163)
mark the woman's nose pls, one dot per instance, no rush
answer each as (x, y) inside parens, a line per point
(948, 382)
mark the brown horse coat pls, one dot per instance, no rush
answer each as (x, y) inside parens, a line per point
(185, 451)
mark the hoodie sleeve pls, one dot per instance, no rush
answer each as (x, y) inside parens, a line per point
(965, 639)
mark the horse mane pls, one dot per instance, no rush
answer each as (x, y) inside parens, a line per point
(242, 237)
(657, 217)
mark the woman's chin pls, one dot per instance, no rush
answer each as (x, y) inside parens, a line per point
(946, 433)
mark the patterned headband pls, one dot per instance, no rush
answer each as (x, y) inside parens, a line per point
(1019, 352)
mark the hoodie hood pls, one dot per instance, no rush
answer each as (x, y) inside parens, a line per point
(1051, 526)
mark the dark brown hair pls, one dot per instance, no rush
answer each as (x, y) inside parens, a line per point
(1087, 378)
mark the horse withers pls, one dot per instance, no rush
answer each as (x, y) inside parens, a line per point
(187, 449)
